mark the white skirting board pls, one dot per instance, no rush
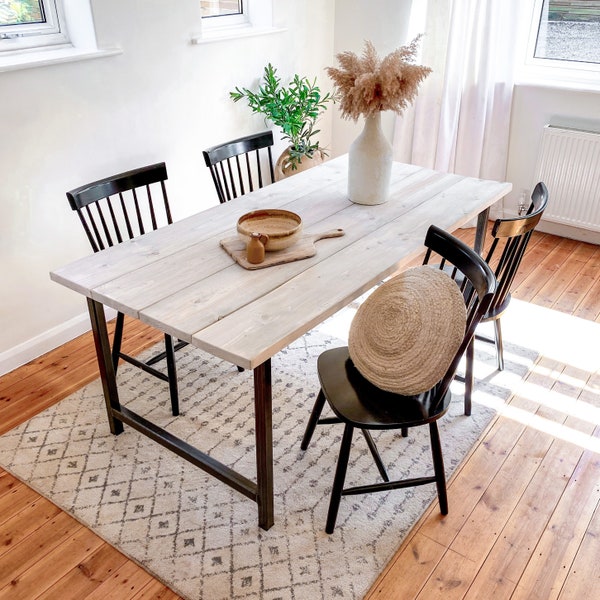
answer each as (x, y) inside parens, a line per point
(46, 341)
(574, 233)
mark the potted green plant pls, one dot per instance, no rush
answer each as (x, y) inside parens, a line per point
(294, 108)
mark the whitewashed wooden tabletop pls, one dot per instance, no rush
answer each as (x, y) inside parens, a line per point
(180, 280)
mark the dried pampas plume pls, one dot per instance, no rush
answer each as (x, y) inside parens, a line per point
(368, 84)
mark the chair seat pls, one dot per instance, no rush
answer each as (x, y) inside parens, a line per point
(357, 401)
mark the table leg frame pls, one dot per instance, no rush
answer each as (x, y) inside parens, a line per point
(105, 364)
(482, 219)
(263, 401)
(261, 491)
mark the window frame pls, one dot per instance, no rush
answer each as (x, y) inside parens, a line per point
(234, 20)
(215, 24)
(550, 68)
(33, 36)
(79, 22)
(258, 21)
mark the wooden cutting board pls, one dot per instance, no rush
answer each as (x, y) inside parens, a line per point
(303, 248)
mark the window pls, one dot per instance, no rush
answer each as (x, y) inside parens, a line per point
(35, 33)
(230, 19)
(28, 24)
(565, 34)
(220, 8)
(223, 13)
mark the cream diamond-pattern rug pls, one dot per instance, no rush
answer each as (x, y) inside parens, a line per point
(201, 538)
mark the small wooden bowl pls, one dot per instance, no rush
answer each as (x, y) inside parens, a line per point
(282, 227)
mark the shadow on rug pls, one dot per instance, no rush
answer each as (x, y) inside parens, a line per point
(201, 538)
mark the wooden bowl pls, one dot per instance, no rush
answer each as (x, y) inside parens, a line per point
(282, 227)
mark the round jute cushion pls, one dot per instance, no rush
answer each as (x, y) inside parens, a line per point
(406, 333)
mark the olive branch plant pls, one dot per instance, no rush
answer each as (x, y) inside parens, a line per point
(294, 108)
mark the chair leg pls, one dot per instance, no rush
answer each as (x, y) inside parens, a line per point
(470, 359)
(499, 345)
(375, 454)
(340, 477)
(117, 339)
(438, 466)
(313, 420)
(172, 374)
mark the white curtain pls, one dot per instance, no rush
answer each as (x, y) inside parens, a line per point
(460, 120)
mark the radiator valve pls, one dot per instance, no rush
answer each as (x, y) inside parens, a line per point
(523, 202)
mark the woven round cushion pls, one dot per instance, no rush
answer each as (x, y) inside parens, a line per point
(406, 333)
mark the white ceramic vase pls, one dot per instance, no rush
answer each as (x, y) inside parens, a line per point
(370, 164)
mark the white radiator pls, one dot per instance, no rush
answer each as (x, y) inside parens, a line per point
(569, 165)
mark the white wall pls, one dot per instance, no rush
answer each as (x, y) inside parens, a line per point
(534, 106)
(161, 99)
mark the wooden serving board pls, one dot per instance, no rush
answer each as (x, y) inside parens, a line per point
(303, 248)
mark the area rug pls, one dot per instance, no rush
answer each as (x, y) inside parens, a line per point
(195, 534)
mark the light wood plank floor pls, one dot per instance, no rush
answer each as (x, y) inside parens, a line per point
(525, 514)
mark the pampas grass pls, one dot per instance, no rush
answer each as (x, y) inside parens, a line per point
(367, 84)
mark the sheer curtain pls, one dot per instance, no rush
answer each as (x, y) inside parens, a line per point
(460, 120)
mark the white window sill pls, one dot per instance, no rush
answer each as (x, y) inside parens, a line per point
(217, 34)
(41, 58)
(560, 85)
(575, 80)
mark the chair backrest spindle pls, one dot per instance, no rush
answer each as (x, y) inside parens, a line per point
(151, 206)
(167, 208)
(249, 172)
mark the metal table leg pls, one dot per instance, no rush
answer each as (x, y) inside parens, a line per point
(263, 415)
(482, 219)
(105, 364)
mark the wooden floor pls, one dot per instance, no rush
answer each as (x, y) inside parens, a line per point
(525, 513)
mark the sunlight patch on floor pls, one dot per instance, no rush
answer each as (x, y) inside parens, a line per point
(553, 334)
(553, 428)
(572, 391)
(561, 402)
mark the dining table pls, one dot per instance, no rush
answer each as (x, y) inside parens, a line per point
(180, 280)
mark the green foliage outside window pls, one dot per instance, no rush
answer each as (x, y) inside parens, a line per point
(574, 10)
(20, 12)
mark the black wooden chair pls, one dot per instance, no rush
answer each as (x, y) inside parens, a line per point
(357, 403)
(241, 165)
(510, 240)
(122, 207)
